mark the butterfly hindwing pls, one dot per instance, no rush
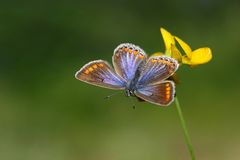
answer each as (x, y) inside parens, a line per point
(160, 94)
(101, 74)
(157, 69)
(126, 60)
(145, 79)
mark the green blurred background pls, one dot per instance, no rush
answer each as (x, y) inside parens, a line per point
(46, 114)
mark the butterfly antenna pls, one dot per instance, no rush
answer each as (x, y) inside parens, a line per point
(114, 94)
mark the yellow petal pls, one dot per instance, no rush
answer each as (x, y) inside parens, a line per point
(176, 53)
(201, 56)
(184, 46)
(186, 60)
(167, 38)
(157, 54)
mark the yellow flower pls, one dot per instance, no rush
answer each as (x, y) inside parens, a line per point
(196, 57)
(192, 58)
(168, 40)
(170, 46)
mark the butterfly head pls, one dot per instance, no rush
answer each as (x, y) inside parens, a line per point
(129, 93)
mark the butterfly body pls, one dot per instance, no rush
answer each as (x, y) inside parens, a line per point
(133, 72)
(131, 86)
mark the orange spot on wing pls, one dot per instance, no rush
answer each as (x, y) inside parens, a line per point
(154, 60)
(135, 52)
(168, 88)
(86, 72)
(167, 97)
(167, 84)
(168, 92)
(141, 56)
(95, 66)
(130, 50)
(90, 69)
(100, 65)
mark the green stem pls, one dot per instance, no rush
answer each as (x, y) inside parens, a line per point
(185, 131)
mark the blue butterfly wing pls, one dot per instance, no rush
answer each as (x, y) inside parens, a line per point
(101, 74)
(160, 94)
(126, 60)
(157, 69)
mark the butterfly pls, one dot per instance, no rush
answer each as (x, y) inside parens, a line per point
(140, 76)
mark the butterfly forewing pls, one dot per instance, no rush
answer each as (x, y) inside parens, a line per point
(133, 72)
(160, 94)
(157, 69)
(126, 60)
(100, 73)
